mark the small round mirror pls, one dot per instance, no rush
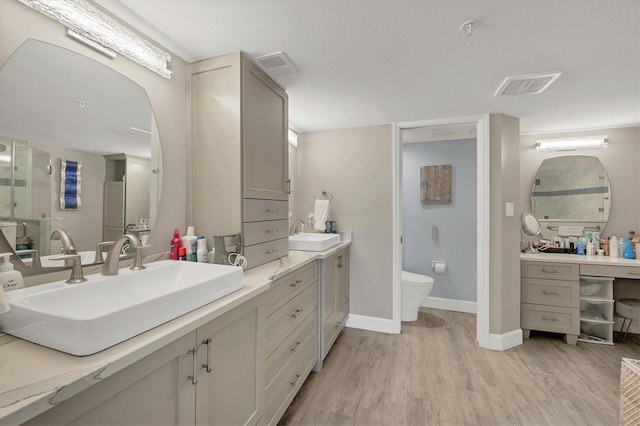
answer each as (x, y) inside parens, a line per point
(530, 227)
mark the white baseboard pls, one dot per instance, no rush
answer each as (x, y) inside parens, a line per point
(364, 322)
(502, 342)
(451, 304)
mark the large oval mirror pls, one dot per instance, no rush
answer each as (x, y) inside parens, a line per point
(58, 105)
(572, 188)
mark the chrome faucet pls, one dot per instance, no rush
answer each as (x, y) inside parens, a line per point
(294, 230)
(68, 246)
(110, 266)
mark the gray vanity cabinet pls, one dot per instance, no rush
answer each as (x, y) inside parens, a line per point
(154, 390)
(335, 299)
(227, 387)
(238, 155)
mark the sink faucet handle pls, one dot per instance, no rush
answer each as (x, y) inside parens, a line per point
(99, 247)
(137, 263)
(76, 271)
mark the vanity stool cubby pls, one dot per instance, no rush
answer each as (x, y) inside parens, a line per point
(550, 296)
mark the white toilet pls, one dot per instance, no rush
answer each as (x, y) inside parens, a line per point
(415, 290)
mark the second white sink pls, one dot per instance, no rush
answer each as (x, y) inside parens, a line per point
(313, 242)
(82, 319)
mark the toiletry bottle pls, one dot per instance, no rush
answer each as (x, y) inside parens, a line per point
(202, 253)
(176, 243)
(10, 279)
(580, 248)
(189, 243)
(182, 253)
(627, 251)
(613, 247)
(4, 303)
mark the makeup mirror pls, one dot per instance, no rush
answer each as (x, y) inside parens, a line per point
(530, 227)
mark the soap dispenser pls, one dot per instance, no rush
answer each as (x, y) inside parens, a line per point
(10, 279)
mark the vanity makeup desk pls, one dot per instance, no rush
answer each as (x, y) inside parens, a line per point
(573, 295)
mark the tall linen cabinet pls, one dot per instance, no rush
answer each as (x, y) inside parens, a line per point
(238, 155)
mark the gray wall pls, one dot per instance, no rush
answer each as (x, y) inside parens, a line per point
(167, 97)
(620, 160)
(456, 221)
(505, 230)
(356, 166)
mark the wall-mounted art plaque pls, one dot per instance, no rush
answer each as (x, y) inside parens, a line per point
(435, 184)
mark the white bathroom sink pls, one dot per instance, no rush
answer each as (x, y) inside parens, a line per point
(313, 242)
(82, 319)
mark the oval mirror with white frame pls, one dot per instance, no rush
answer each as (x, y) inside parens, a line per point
(530, 227)
(571, 190)
(58, 105)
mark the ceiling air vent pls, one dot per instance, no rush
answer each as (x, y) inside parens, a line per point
(526, 84)
(133, 132)
(276, 64)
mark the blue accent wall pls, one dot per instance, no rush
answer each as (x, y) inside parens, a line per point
(456, 221)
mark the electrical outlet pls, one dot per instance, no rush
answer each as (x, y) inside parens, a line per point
(509, 209)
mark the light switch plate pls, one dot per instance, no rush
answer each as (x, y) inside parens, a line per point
(508, 209)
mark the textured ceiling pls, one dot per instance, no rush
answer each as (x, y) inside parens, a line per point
(365, 62)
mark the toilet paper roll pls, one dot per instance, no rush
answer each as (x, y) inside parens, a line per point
(440, 267)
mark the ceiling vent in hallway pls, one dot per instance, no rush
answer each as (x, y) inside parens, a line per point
(133, 132)
(530, 84)
(276, 64)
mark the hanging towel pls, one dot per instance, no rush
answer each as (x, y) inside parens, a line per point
(320, 214)
(570, 231)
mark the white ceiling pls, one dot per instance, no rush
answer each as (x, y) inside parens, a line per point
(365, 62)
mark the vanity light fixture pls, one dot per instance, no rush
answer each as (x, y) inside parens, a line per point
(573, 143)
(90, 26)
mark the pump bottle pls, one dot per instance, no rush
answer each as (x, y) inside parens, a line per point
(10, 279)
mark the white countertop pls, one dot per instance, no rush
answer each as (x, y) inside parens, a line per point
(33, 377)
(574, 258)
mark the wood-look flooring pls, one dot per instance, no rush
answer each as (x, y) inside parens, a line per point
(434, 373)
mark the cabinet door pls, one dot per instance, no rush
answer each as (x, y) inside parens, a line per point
(342, 278)
(329, 266)
(153, 391)
(230, 389)
(265, 151)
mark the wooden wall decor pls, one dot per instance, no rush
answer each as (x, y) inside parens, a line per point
(435, 184)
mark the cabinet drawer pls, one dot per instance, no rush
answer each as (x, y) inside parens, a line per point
(258, 210)
(287, 383)
(259, 232)
(283, 289)
(259, 254)
(332, 328)
(550, 318)
(550, 292)
(552, 271)
(295, 343)
(632, 272)
(282, 322)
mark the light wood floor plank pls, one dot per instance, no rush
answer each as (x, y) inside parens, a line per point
(434, 373)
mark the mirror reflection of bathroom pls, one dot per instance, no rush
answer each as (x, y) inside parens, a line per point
(439, 222)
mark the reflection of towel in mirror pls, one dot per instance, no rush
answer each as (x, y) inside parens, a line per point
(570, 231)
(320, 214)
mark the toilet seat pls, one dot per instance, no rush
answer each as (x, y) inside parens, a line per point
(411, 279)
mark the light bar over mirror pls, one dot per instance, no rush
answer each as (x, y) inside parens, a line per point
(571, 144)
(85, 20)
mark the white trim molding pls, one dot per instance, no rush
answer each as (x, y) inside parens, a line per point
(364, 322)
(502, 342)
(396, 286)
(451, 304)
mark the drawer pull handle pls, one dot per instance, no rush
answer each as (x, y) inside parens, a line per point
(295, 380)
(295, 315)
(294, 285)
(194, 377)
(550, 271)
(270, 210)
(271, 231)
(550, 293)
(207, 366)
(295, 347)
(272, 251)
(550, 318)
